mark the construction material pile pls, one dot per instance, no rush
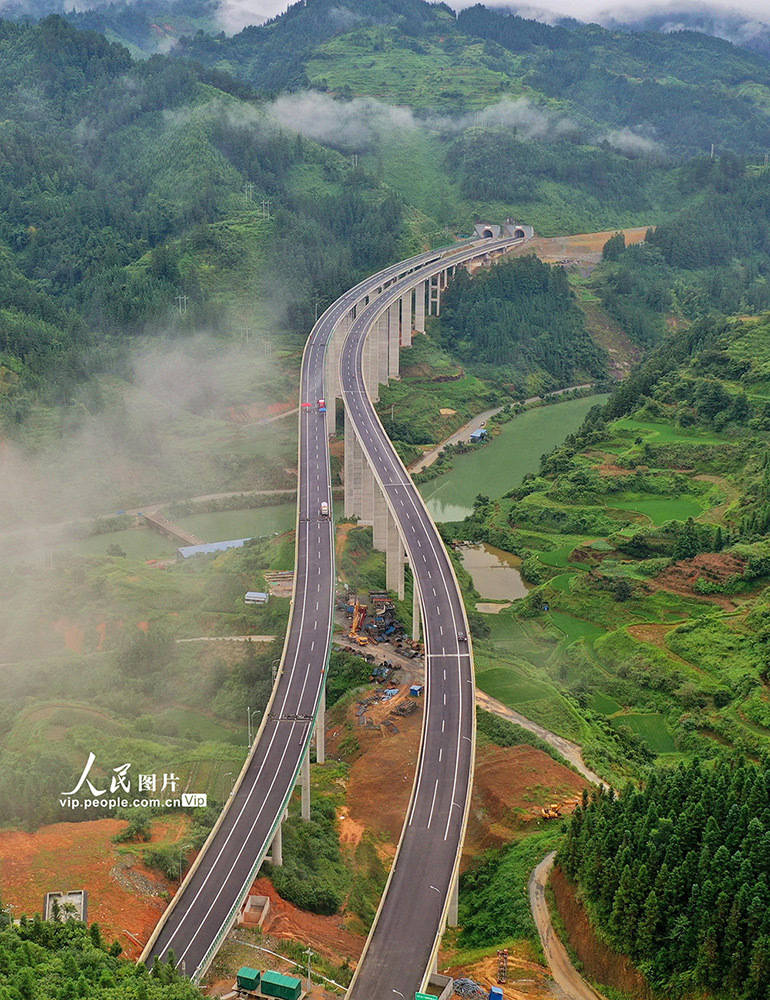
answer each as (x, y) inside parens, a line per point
(469, 990)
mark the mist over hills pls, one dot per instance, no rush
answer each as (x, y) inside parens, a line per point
(121, 171)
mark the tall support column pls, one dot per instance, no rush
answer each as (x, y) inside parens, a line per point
(276, 848)
(406, 319)
(394, 559)
(370, 366)
(419, 307)
(380, 332)
(332, 386)
(354, 472)
(320, 729)
(368, 493)
(393, 339)
(331, 376)
(434, 295)
(452, 917)
(305, 779)
(380, 526)
(415, 609)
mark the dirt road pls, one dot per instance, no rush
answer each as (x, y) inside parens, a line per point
(569, 750)
(566, 976)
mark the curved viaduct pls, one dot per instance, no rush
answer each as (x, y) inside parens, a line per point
(353, 348)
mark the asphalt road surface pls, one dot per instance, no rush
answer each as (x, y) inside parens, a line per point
(213, 889)
(409, 920)
(225, 870)
(210, 895)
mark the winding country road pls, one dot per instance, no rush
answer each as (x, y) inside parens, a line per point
(566, 976)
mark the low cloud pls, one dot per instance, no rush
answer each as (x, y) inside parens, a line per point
(358, 124)
(161, 433)
(625, 140)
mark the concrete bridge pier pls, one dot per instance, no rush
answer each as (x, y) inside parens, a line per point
(394, 338)
(320, 729)
(419, 307)
(371, 368)
(368, 493)
(354, 472)
(382, 333)
(305, 782)
(394, 557)
(406, 319)
(275, 857)
(415, 609)
(434, 295)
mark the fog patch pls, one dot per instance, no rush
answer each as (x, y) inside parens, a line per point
(166, 431)
(358, 124)
(625, 140)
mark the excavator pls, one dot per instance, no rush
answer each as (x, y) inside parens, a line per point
(359, 617)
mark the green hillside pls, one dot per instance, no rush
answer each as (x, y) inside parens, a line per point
(645, 539)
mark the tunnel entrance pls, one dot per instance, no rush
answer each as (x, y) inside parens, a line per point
(487, 234)
(519, 234)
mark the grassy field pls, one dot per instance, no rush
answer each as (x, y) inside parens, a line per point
(651, 729)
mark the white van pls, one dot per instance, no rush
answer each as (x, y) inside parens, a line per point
(324, 511)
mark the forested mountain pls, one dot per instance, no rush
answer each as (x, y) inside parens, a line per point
(681, 91)
(126, 184)
(520, 317)
(712, 256)
(745, 30)
(677, 874)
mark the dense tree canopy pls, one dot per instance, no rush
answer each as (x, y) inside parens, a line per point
(520, 315)
(678, 876)
(47, 960)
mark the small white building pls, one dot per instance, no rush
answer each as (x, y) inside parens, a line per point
(255, 597)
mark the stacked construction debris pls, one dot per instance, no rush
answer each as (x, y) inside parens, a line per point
(468, 990)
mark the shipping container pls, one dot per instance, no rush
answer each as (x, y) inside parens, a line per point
(284, 987)
(248, 979)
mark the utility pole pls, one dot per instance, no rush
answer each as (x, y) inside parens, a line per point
(181, 304)
(318, 300)
(309, 952)
(248, 716)
(248, 190)
(354, 159)
(266, 203)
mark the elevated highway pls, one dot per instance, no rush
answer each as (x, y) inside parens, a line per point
(344, 356)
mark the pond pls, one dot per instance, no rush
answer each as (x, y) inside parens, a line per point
(495, 573)
(499, 466)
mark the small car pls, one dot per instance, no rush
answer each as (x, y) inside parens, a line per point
(462, 637)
